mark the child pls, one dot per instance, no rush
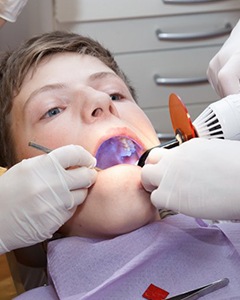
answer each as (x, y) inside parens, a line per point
(59, 89)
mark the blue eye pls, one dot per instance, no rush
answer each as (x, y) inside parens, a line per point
(53, 112)
(116, 97)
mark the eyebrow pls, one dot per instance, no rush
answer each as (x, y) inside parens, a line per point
(102, 75)
(45, 88)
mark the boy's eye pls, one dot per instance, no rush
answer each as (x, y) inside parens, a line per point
(52, 112)
(115, 97)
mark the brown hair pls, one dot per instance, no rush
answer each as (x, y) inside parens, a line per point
(15, 65)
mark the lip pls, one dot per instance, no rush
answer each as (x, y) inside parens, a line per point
(120, 148)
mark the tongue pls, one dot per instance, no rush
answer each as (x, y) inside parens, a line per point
(117, 150)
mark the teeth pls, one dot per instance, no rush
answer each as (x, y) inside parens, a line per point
(127, 146)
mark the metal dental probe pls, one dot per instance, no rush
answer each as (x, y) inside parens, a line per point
(47, 150)
(39, 147)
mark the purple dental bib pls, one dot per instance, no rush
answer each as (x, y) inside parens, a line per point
(177, 254)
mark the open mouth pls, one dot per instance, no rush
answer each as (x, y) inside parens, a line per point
(118, 150)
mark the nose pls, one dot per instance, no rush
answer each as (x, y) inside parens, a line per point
(96, 105)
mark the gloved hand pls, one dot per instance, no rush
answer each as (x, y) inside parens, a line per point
(224, 69)
(10, 9)
(199, 178)
(40, 194)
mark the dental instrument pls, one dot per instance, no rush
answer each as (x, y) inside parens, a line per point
(39, 147)
(220, 119)
(47, 150)
(202, 291)
(155, 293)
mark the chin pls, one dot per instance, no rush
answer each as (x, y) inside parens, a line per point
(136, 221)
(116, 204)
(134, 205)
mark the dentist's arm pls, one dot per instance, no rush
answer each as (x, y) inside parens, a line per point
(40, 194)
(224, 69)
(199, 178)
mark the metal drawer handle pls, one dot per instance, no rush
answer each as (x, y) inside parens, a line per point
(189, 1)
(179, 81)
(194, 35)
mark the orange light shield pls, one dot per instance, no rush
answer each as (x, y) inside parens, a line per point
(181, 121)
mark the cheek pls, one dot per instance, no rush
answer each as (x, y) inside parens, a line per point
(22, 149)
(135, 115)
(48, 135)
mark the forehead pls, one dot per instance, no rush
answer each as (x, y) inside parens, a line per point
(67, 65)
(65, 69)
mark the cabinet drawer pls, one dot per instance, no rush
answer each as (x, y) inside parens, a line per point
(183, 63)
(141, 34)
(161, 121)
(95, 10)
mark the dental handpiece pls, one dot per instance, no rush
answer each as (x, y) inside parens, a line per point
(168, 145)
(221, 119)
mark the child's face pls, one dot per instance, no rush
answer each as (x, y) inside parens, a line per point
(76, 99)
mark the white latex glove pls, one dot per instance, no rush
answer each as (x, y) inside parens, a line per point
(38, 195)
(224, 69)
(10, 9)
(199, 178)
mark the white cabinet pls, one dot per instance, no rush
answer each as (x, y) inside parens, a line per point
(164, 46)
